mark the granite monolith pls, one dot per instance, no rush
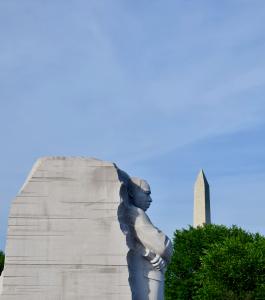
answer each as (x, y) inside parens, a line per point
(64, 240)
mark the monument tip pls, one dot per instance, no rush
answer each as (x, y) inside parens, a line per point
(201, 175)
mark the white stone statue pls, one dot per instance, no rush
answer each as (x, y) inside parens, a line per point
(150, 249)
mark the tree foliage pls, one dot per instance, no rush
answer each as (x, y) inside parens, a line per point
(216, 262)
(2, 261)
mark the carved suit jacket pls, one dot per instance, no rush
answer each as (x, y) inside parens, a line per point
(141, 233)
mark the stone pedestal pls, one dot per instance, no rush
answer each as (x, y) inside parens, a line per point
(64, 240)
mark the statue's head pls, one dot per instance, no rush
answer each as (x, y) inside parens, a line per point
(139, 192)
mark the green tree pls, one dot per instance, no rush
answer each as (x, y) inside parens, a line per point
(233, 270)
(2, 261)
(187, 276)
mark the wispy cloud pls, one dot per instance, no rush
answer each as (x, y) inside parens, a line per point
(127, 81)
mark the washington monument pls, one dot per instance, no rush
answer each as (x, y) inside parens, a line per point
(202, 211)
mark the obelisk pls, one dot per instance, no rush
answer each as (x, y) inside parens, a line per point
(202, 211)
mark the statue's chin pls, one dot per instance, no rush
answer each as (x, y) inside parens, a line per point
(146, 208)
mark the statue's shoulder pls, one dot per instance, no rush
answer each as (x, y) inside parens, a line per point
(136, 212)
(142, 217)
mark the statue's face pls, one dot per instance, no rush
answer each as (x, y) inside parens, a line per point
(142, 198)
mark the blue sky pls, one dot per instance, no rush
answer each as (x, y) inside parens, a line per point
(162, 88)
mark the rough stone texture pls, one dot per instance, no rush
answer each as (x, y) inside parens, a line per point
(64, 240)
(202, 212)
(1, 284)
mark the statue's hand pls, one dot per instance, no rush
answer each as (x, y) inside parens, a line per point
(156, 260)
(158, 263)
